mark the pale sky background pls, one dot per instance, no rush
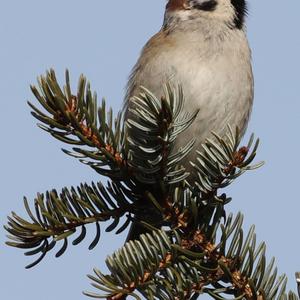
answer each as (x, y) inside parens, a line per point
(102, 39)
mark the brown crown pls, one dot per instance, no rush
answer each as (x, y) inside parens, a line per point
(176, 5)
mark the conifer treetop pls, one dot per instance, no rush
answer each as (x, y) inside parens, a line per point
(193, 246)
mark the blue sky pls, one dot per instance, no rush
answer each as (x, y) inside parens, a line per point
(102, 39)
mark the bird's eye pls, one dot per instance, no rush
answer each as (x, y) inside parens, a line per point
(207, 5)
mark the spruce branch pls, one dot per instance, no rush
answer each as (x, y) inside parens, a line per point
(223, 160)
(57, 217)
(167, 266)
(144, 169)
(143, 161)
(154, 124)
(76, 120)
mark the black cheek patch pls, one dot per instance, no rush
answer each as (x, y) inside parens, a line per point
(208, 5)
(240, 7)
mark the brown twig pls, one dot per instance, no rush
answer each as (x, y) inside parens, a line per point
(71, 107)
(239, 282)
(238, 158)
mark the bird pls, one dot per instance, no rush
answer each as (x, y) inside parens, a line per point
(203, 47)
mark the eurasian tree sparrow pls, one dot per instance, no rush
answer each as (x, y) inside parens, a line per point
(202, 46)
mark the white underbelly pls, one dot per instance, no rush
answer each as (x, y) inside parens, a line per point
(220, 88)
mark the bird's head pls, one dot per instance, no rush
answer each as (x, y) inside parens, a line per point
(231, 12)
